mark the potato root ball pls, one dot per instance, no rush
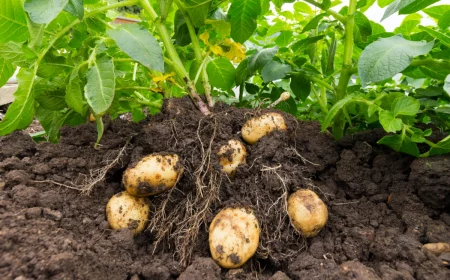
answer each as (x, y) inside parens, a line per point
(231, 156)
(126, 211)
(233, 236)
(153, 174)
(308, 212)
(257, 127)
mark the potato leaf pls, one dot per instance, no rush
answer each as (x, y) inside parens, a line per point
(221, 73)
(6, 71)
(243, 15)
(13, 22)
(274, 70)
(44, 11)
(258, 60)
(100, 86)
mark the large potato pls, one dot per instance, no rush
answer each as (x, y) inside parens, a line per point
(258, 127)
(153, 174)
(307, 211)
(233, 237)
(126, 211)
(231, 156)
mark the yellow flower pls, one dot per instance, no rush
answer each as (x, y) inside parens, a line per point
(157, 79)
(205, 37)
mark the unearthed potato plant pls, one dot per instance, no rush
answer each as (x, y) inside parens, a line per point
(257, 127)
(126, 211)
(308, 212)
(231, 155)
(233, 236)
(153, 174)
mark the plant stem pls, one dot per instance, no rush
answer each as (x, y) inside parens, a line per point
(322, 105)
(173, 55)
(197, 52)
(336, 15)
(346, 72)
(135, 88)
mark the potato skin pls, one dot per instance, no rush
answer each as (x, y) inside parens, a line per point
(126, 211)
(233, 236)
(257, 127)
(308, 212)
(437, 248)
(231, 155)
(153, 174)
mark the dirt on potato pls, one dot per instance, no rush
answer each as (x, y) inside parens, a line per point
(383, 206)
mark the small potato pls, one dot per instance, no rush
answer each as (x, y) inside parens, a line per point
(153, 174)
(231, 156)
(233, 237)
(258, 127)
(437, 248)
(126, 211)
(307, 211)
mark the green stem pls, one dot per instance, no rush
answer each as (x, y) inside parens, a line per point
(320, 82)
(155, 104)
(428, 142)
(173, 55)
(322, 105)
(135, 88)
(336, 15)
(197, 52)
(346, 72)
(433, 63)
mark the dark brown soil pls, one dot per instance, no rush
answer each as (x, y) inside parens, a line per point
(383, 206)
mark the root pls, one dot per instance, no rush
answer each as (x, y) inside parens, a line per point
(181, 225)
(95, 177)
(303, 159)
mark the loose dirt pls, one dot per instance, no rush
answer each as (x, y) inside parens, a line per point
(383, 206)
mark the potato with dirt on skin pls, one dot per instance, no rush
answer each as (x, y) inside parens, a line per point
(126, 211)
(153, 174)
(437, 248)
(233, 236)
(308, 212)
(257, 127)
(231, 155)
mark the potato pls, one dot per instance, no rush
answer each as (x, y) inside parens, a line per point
(153, 174)
(233, 237)
(258, 127)
(437, 248)
(231, 156)
(126, 211)
(307, 211)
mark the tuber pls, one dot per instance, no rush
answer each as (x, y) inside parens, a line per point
(257, 127)
(231, 156)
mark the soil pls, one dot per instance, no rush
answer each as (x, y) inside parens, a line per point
(383, 206)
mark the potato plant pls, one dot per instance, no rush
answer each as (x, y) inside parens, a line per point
(339, 67)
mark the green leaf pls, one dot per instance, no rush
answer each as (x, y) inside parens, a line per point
(406, 7)
(437, 12)
(52, 121)
(242, 73)
(48, 95)
(74, 94)
(386, 57)
(377, 28)
(301, 87)
(435, 72)
(400, 144)
(221, 73)
(259, 59)
(13, 22)
(389, 122)
(447, 84)
(440, 148)
(284, 38)
(20, 113)
(304, 43)
(181, 30)
(336, 109)
(384, 3)
(363, 29)
(52, 66)
(44, 11)
(409, 24)
(444, 21)
(100, 86)
(243, 15)
(274, 70)
(140, 45)
(6, 71)
(13, 53)
(444, 39)
(405, 106)
(312, 24)
(75, 7)
(302, 7)
(198, 11)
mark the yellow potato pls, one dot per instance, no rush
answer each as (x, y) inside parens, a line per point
(307, 211)
(258, 127)
(233, 237)
(153, 174)
(231, 156)
(126, 211)
(437, 248)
